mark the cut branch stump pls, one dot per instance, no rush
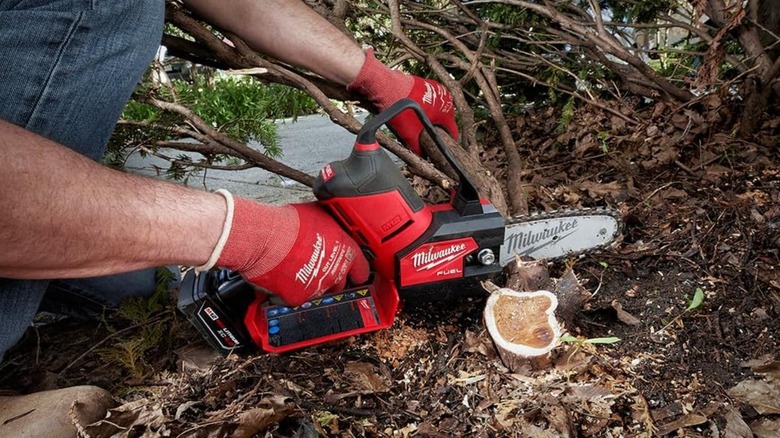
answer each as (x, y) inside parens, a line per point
(523, 327)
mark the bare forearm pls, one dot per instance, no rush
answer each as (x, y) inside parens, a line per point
(290, 31)
(64, 215)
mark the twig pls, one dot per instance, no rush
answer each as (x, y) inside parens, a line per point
(262, 160)
(685, 168)
(657, 190)
(340, 410)
(573, 94)
(199, 426)
(708, 162)
(597, 16)
(598, 288)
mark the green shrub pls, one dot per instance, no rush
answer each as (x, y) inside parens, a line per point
(239, 106)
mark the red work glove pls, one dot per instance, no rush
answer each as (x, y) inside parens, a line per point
(295, 251)
(384, 87)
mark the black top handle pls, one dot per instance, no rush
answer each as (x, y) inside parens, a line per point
(466, 200)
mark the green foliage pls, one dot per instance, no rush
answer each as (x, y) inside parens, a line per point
(642, 11)
(579, 343)
(698, 298)
(603, 136)
(572, 340)
(240, 107)
(566, 116)
(150, 315)
(679, 61)
(507, 14)
(170, 29)
(693, 304)
(140, 112)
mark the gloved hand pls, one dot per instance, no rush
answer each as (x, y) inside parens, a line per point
(384, 87)
(296, 251)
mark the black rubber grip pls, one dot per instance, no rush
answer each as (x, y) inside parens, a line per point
(466, 200)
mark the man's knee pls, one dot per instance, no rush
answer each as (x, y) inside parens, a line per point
(19, 301)
(70, 72)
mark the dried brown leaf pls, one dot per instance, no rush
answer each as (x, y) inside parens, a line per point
(506, 412)
(477, 344)
(766, 428)
(764, 365)
(736, 426)
(712, 101)
(659, 109)
(671, 194)
(763, 396)
(662, 155)
(585, 144)
(612, 189)
(571, 360)
(686, 421)
(558, 417)
(367, 377)
(624, 316)
(138, 418)
(671, 410)
(270, 411)
(197, 358)
(617, 123)
(596, 402)
(714, 172)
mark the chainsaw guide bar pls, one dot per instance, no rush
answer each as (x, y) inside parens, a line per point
(559, 234)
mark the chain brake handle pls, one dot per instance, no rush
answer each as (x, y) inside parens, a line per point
(466, 199)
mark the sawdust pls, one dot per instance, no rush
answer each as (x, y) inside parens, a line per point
(396, 343)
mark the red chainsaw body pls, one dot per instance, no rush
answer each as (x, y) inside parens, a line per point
(415, 250)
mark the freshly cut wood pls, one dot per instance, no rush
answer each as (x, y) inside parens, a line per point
(523, 327)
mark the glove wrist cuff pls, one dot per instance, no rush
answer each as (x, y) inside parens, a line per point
(226, 228)
(380, 84)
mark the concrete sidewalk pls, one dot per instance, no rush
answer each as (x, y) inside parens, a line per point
(308, 144)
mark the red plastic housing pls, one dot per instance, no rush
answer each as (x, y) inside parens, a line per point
(384, 223)
(385, 302)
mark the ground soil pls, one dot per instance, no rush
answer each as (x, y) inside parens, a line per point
(701, 210)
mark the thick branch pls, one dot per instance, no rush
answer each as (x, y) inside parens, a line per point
(490, 188)
(747, 34)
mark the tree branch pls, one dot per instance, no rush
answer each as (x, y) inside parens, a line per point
(243, 151)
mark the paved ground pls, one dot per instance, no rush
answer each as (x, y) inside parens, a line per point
(309, 143)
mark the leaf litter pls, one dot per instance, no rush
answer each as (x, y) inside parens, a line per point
(701, 212)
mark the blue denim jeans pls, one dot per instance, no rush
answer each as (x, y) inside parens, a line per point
(67, 68)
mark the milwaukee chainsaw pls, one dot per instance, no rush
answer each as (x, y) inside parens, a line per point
(416, 251)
